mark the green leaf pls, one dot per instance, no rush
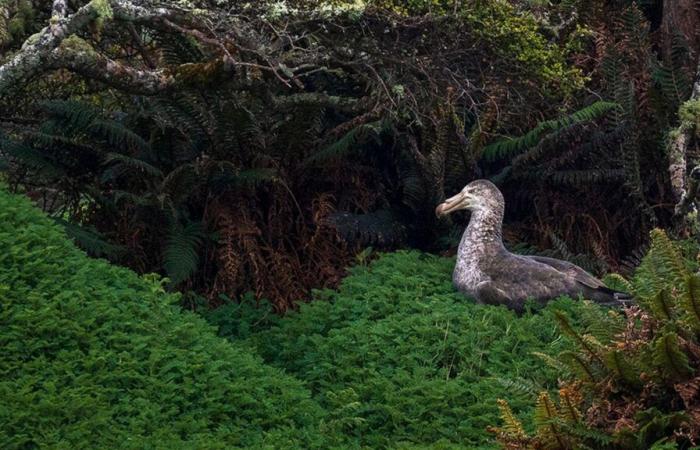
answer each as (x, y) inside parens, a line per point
(690, 301)
(668, 356)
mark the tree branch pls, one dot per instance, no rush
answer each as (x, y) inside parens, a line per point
(98, 67)
(677, 155)
(36, 51)
(57, 46)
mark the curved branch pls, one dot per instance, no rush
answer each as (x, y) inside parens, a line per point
(34, 55)
(95, 66)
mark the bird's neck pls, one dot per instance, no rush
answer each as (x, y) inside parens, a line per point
(482, 236)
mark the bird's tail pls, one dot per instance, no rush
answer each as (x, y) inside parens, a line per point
(609, 297)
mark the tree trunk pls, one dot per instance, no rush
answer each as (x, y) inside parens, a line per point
(681, 17)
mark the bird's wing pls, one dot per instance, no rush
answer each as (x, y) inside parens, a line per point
(521, 277)
(571, 270)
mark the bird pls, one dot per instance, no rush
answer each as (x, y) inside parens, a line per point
(487, 272)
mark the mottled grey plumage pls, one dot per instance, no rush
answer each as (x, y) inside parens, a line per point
(489, 273)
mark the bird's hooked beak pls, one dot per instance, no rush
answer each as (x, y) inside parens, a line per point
(452, 204)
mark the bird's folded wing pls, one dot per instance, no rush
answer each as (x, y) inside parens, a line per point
(571, 270)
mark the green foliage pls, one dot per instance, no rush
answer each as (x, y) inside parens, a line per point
(513, 146)
(181, 255)
(16, 23)
(395, 358)
(90, 240)
(351, 141)
(514, 34)
(689, 115)
(399, 359)
(644, 375)
(95, 355)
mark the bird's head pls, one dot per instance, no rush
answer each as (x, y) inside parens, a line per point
(479, 195)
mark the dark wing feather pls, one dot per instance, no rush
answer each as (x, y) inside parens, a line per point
(521, 278)
(571, 270)
(592, 288)
(543, 278)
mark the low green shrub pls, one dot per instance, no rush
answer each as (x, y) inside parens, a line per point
(94, 356)
(399, 359)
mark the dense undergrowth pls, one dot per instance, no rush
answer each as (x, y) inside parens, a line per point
(423, 364)
(95, 355)
(398, 358)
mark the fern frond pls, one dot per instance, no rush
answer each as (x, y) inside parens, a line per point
(118, 136)
(181, 255)
(512, 146)
(179, 183)
(663, 267)
(553, 362)
(668, 356)
(569, 398)
(579, 365)
(584, 342)
(352, 140)
(661, 305)
(90, 240)
(617, 282)
(127, 162)
(546, 416)
(690, 301)
(18, 152)
(71, 115)
(622, 367)
(520, 385)
(511, 424)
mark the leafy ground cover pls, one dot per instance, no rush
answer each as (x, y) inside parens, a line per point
(94, 355)
(399, 359)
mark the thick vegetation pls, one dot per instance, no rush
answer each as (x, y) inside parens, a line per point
(249, 152)
(633, 382)
(256, 146)
(93, 355)
(409, 360)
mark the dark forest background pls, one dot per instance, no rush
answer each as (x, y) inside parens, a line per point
(263, 147)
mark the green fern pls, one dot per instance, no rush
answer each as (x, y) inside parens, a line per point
(90, 240)
(513, 146)
(546, 417)
(118, 136)
(582, 340)
(120, 164)
(579, 365)
(181, 254)
(670, 358)
(662, 305)
(351, 141)
(690, 301)
(622, 367)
